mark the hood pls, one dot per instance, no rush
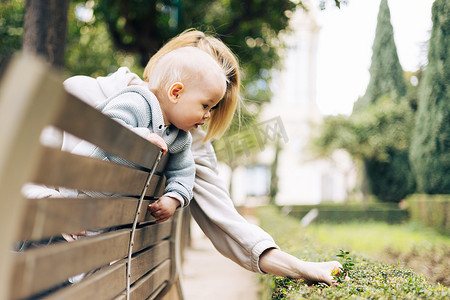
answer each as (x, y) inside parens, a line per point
(117, 81)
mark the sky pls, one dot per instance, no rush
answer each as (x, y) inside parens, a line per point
(345, 47)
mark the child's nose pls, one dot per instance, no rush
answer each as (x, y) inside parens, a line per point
(207, 115)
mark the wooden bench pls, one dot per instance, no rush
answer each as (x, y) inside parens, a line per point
(130, 256)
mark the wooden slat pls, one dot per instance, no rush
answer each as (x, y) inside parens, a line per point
(50, 216)
(111, 281)
(29, 98)
(151, 234)
(42, 268)
(37, 270)
(87, 123)
(105, 284)
(144, 214)
(148, 259)
(147, 284)
(154, 281)
(163, 163)
(159, 189)
(157, 291)
(63, 169)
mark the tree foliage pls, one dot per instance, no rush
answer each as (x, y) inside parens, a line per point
(128, 32)
(372, 134)
(386, 74)
(430, 149)
(142, 26)
(378, 138)
(11, 27)
(250, 28)
(389, 176)
(90, 50)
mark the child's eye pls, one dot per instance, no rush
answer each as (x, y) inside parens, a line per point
(205, 106)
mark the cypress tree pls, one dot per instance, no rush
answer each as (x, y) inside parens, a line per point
(390, 180)
(386, 73)
(430, 148)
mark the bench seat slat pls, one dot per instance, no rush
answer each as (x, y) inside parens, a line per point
(104, 132)
(63, 169)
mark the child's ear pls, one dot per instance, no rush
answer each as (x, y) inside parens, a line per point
(175, 91)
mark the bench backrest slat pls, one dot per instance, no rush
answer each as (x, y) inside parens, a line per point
(42, 268)
(150, 282)
(148, 259)
(50, 216)
(107, 280)
(150, 235)
(103, 285)
(81, 120)
(63, 169)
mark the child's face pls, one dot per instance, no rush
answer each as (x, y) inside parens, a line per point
(196, 101)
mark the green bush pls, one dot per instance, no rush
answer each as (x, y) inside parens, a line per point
(368, 280)
(343, 213)
(377, 138)
(431, 211)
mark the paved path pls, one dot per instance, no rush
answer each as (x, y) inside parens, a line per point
(209, 275)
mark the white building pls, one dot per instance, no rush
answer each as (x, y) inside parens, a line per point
(293, 112)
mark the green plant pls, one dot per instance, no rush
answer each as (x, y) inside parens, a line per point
(347, 266)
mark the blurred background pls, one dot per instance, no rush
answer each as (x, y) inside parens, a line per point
(345, 116)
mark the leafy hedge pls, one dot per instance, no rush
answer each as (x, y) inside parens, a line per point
(333, 213)
(368, 280)
(431, 211)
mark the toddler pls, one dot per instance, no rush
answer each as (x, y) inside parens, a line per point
(185, 86)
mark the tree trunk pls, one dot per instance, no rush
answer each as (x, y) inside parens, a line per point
(273, 189)
(45, 28)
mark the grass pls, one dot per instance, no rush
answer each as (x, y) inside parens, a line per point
(374, 238)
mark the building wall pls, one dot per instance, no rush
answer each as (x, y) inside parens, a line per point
(301, 179)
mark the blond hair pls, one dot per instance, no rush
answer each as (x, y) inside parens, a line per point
(174, 66)
(222, 116)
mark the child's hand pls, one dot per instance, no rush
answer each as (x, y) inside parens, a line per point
(158, 141)
(163, 208)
